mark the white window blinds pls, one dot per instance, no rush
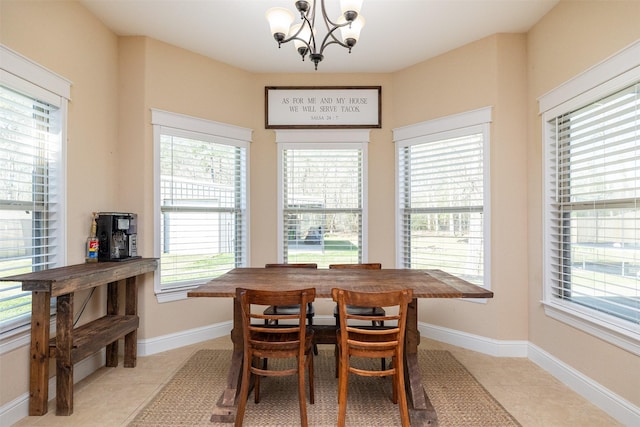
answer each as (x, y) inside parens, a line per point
(441, 195)
(593, 168)
(203, 209)
(203, 206)
(30, 219)
(322, 204)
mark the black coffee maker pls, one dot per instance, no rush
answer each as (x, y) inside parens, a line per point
(117, 236)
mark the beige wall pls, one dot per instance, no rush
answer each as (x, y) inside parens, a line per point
(110, 154)
(573, 37)
(65, 38)
(175, 80)
(490, 72)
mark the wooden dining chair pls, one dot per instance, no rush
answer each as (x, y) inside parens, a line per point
(365, 341)
(372, 311)
(287, 340)
(291, 309)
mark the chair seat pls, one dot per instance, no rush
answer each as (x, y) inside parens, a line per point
(288, 309)
(364, 311)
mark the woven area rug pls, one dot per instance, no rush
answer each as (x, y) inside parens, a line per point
(189, 397)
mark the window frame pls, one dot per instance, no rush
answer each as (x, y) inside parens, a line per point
(453, 126)
(197, 128)
(323, 139)
(31, 79)
(605, 78)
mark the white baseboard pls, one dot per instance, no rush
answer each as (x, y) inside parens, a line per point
(162, 343)
(620, 409)
(497, 348)
(18, 408)
(617, 407)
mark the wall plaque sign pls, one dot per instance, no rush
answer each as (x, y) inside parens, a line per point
(310, 107)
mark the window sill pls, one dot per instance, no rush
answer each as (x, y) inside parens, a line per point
(20, 336)
(14, 339)
(625, 338)
(177, 294)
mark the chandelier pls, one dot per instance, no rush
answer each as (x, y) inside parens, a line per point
(304, 34)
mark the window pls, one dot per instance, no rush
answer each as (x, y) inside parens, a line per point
(32, 124)
(322, 213)
(201, 200)
(442, 192)
(592, 204)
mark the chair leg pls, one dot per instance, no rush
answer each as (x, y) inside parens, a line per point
(336, 350)
(394, 383)
(312, 396)
(244, 391)
(404, 410)
(256, 389)
(302, 394)
(342, 391)
(315, 346)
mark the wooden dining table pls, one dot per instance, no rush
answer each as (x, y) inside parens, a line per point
(424, 283)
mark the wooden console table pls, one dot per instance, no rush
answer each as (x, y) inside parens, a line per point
(71, 345)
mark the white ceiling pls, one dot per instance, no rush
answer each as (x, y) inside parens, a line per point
(397, 34)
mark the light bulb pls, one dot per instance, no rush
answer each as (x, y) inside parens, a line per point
(350, 5)
(352, 30)
(280, 20)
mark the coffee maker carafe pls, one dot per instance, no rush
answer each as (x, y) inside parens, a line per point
(117, 236)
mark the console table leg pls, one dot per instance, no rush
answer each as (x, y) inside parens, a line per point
(39, 353)
(112, 309)
(64, 364)
(131, 309)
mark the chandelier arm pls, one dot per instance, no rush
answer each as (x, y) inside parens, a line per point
(331, 28)
(295, 36)
(305, 43)
(324, 45)
(334, 41)
(328, 20)
(312, 26)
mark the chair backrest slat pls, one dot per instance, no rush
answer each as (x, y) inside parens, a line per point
(294, 265)
(365, 266)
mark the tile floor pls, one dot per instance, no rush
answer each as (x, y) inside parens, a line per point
(112, 397)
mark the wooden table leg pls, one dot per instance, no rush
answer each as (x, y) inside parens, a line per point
(225, 410)
(131, 309)
(64, 345)
(421, 410)
(112, 309)
(39, 353)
